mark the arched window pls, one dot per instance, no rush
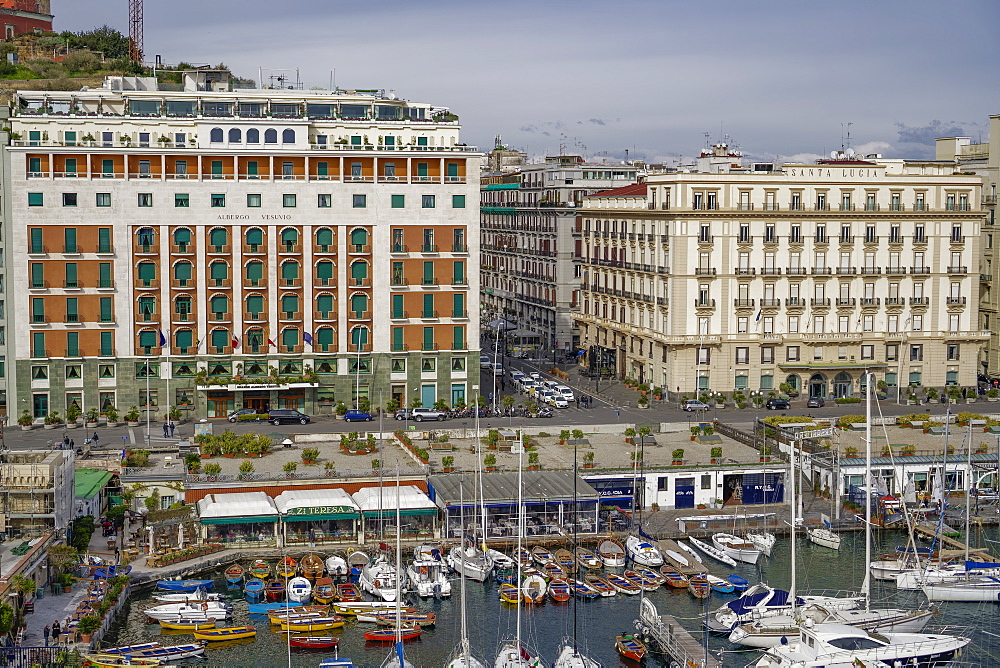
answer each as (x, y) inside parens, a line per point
(324, 306)
(289, 239)
(182, 238)
(270, 136)
(253, 136)
(359, 304)
(325, 341)
(147, 307)
(324, 272)
(147, 341)
(290, 306)
(218, 273)
(254, 341)
(218, 238)
(254, 239)
(235, 136)
(182, 274)
(288, 136)
(220, 306)
(255, 274)
(146, 273)
(215, 135)
(359, 237)
(290, 273)
(359, 272)
(145, 237)
(182, 306)
(290, 339)
(184, 341)
(219, 340)
(324, 239)
(359, 337)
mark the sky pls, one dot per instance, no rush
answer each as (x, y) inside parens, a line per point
(636, 78)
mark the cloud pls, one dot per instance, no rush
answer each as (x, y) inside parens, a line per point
(597, 121)
(926, 134)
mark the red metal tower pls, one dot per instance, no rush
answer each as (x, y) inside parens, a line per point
(135, 30)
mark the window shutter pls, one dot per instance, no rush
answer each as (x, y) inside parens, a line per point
(255, 304)
(218, 237)
(290, 303)
(255, 236)
(324, 237)
(324, 270)
(290, 270)
(255, 271)
(359, 270)
(359, 237)
(324, 303)
(219, 270)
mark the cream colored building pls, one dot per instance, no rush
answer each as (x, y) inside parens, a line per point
(807, 275)
(36, 491)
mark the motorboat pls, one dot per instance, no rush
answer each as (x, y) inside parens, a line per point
(842, 646)
(504, 568)
(379, 579)
(313, 642)
(198, 595)
(311, 566)
(336, 662)
(601, 584)
(587, 559)
(533, 589)
(712, 551)
(762, 600)
(254, 589)
(824, 538)
(230, 633)
(199, 611)
(469, 561)
(720, 585)
(695, 556)
(641, 551)
(336, 566)
(737, 548)
(426, 572)
(299, 590)
(290, 615)
(184, 585)
(763, 541)
(612, 553)
(234, 574)
(767, 632)
(187, 624)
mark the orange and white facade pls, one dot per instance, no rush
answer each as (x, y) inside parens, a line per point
(230, 247)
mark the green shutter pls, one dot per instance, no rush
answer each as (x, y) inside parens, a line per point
(290, 337)
(220, 304)
(428, 306)
(399, 201)
(36, 199)
(218, 237)
(72, 309)
(104, 240)
(147, 271)
(107, 166)
(397, 306)
(220, 338)
(322, 168)
(147, 339)
(71, 274)
(34, 165)
(182, 237)
(359, 304)
(72, 344)
(255, 236)
(184, 339)
(69, 239)
(421, 169)
(219, 271)
(290, 303)
(324, 237)
(182, 271)
(428, 273)
(37, 309)
(104, 274)
(252, 168)
(255, 304)
(458, 342)
(324, 270)
(324, 336)
(255, 271)
(359, 336)
(459, 272)
(458, 305)
(359, 237)
(324, 304)
(36, 240)
(70, 164)
(216, 167)
(397, 339)
(452, 169)
(107, 344)
(359, 270)
(290, 270)
(105, 309)
(428, 338)
(37, 275)
(38, 344)
(458, 201)
(290, 236)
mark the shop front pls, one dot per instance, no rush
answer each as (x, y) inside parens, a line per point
(317, 516)
(222, 400)
(417, 513)
(241, 519)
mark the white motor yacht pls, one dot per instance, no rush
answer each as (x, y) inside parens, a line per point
(737, 548)
(427, 572)
(643, 552)
(379, 579)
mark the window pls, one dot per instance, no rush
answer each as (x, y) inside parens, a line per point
(103, 199)
(742, 323)
(398, 201)
(145, 199)
(867, 352)
(458, 201)
(182, 200)
(69, 199)
(288, 201)
(743, 355)
(253, 200)
(952, 352)
(428, 364)
(359, 201)
(35, 199)
(792, 353)
(218, 200)
(215, 135)
(324, 201)
(892, 352)
(917, 353)
(767, 355)
(288, 136)
(235, 136)
(398, 365)
(767, 382)
(427, 201)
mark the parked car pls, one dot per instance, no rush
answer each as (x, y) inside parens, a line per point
(353, 415)
(815, 402)
(775, 404)
(566, 393)
(235, 415)
(695, 405)
(421, 414)
(559, 401)
(497, 369)
(484, 362)
(287, 416)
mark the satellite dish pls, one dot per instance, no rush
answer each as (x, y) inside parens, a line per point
(833, 155)
(850, 153)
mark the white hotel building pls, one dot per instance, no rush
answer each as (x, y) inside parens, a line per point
(807, 275)
(211, 246)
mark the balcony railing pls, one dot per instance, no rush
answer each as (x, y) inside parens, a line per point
(796, 271)
(870, 301)
(820, 301)
(847, 270)
(254, 317)
(958, 270)
(822, 270)
(743, 303)
(704, 303)
(795, 302)
(770, 271)
(871, 270)
(895, 271)
(181, 249)
(846, 301)
(254, 249)
(705, 271)
(770, 303)
(745, 271)
(399, 248)
(255, 282)
(920, 270)
(920, 301)
(955, 301)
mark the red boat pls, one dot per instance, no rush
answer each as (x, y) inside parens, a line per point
(313, 642)
(674, 577)
(559, 590)
(630, 647)
(348, 592)
(275, 590)
(389, 635)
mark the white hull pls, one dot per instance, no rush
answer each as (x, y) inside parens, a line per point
(643, 552)
(824, 538)
(379, 579)
(336, 566)
(299, 590)
(713, 552)
(767, 632)
(428, 579)
(175, 611)
(470, 563)
(763, 541)
(612, 553)
(573, 658)
(186, 598)
(965, 590)
(510, 657)
(736, 548)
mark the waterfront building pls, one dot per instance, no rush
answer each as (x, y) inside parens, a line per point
(37, 491)
(92, 491)
(794, 277)
(528, 271)
(212, 245)
(983, 159)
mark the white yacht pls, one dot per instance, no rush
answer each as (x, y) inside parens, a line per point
(470, 561)
(427, 572)
(761, 600)
(379, 579)
(736, 548)
(643, 552)
(768, 631)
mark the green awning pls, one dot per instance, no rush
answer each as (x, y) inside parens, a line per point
(263, 519)
(388, 514)
(503, 186)
(325, 516)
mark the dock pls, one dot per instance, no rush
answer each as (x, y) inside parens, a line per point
(955, 547)
(672, 638)
(688, 567)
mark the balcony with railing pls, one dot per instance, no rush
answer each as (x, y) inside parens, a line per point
(847, 270)
(704, 303)
(895, 271)
(705, 271)
(399, 248)
(745, 271)
(821, 270)
(146, 249)
(796, 271)
(955, 301)
(147, 282)
(359, 249)
(359, 315)
(822, 302)
(324, 316)
(255, 282)
(958, 270)
(871, 270)
(744, 303)
(182, 249)
(770, 271)
(920, 270)
(254, 249)
(249, 316)
(846, 301)
(770, 302)
(224, 249)
(290, 315)
(795, 302)
(870, 301)
(920, 301)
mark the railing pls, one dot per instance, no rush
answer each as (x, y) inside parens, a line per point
(958, 270)
(743, 303)
(745, 271)
(795, 301)
(846, 301)
(254, 249)
(871, 270)
(704, 303)
(254, 282)
(770, 303)
(953, 301)
(325, 315)
(847, 270)
(920, 270)
(870, 301)
(705, 271)
(770, 271)
(820, 302)
(920, 301)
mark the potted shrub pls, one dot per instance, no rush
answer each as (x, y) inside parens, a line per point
(716, 454)
(72, 414)
(577, 433)
(982, 448)
(533, 464)
(246, 468)
(341, 409)
(492, 439)
(677, 456)
(112, 414)
(643, 402)
(851, 452)
(563, 436)
(376, 464)
(25, 420)
(212, 470)
(886, 451)
(490, 462)
(765, 453)
(289, 469)
(992, 394)
(329, 469)
(908, 450)
(970, 395)
(658, 393)
(588, 459)
(192, 463)
(629, 434)
(695, 431)
(52, 420)
(92, 415)
(448, 462)
(310, 455)
(86, 627)
(720, 400)
(132, 417)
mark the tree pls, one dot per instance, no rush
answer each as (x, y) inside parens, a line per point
(62, 558)
(105, 39)
(6, 619)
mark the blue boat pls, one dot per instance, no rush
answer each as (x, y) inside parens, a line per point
(740, 584)
(264, 608)
(184, 585)
(111, 571)
(335, 662)
(254, 589)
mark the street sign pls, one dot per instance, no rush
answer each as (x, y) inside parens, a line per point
(816, 433)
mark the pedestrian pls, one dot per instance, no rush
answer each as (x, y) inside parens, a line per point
(72, 444)
(172, 427)
(95, 439)
(45, 632)
(65, 441)
(166, 430)
(56, 631)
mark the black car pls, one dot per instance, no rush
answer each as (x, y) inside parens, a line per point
(287, 416)
(777, 404)
(815, 402)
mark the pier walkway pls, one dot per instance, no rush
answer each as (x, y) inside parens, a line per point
(673, 639)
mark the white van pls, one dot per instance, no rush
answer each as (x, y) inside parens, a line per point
(484, 362)
(497, 369)
(566, 393)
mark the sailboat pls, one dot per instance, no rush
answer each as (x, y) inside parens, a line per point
(468, 559)
(396, 658)
(513, 654)
(462, 656)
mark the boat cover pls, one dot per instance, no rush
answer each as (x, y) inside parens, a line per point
(745, 604)
(973, 565)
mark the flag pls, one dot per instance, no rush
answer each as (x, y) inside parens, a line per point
(236, 342)
(307, 337)
(757, 319)
(523, 653)
(197, 345)
(271, 343)
(163, 339)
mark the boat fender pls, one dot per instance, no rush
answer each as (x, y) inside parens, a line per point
(423, 570)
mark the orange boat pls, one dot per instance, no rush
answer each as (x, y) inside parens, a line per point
(286, 568)
(347, 592)
(559, 590)
(312, 566)
(630, 647)
(674, 577)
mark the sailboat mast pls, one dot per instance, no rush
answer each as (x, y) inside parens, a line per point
(520, 534)
(465, 630)
(576, 515)
(399, 588)
(791, 481)
(479, 466)
(866, 583)
(968, 487)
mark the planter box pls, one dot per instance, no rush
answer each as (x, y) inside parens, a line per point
(72, 425)
(51, 426)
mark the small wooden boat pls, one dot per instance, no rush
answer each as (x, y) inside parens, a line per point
(612, 552)
(509, 593)
(234, 574)
(640, 581)
(407, 619)
(587, 559)
(265, 608)
(541, 555)
(358, 607)
(566, 559)
(187, 624)
(622, 585)
(113, 661)
(523, 556)
(698, 586)
(312, 566)
(651, 575)
(313, 624)
(533, 589)
(584, 590)
(286, 568)
(275, 590)
(630, 647)
(739, 584)
(184, 585)
(348, 592)
(313, 642)
(260, 569)
(279, 617)
(254, 589)
(324, 591)
(552, 570)
(600, 584)
(371, 616)
(230, 633)
(712, 551)
(389, 635)
(128, 649)
(674, 577)
(162, 652)
(719, 585)
(559, 590)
